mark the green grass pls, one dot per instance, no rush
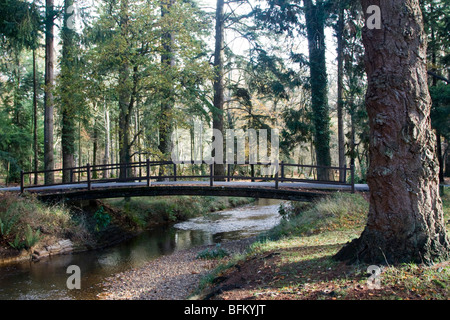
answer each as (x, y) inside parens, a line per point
(25, 222)
(340, 211)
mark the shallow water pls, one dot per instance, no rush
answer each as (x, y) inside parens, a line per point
(47, 279)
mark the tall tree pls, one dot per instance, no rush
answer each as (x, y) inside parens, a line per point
(405, 220)
(340, 86)
(168, 99)
(48, 96)
(218, 115)
(67, 84)
(126, 89)
(286, 16)
(315, 17)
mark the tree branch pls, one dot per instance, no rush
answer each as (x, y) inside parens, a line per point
(438, 76)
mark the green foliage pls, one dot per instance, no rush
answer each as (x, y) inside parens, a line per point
(17, 243)
(19, 23)
(31, 238)
(25, 222)
(8, 222)
(102, 219)
(440, 110)
(217, 253)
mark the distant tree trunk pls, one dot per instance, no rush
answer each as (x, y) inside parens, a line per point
(405, 220)
(94, 148)
(440, 156)
(315, 16)
(167, 64)
(447, 160)
(68, 129)
(48, 96)
(340, 90)
(219, 169)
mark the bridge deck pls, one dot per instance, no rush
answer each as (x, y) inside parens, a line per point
(296, 191)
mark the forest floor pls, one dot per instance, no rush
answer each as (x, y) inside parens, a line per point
(302, 267)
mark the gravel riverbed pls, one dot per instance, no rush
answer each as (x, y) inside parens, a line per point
(170, 277)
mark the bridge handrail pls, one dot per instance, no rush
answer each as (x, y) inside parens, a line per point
(279, 175)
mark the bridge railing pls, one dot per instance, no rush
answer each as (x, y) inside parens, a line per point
(145, 171)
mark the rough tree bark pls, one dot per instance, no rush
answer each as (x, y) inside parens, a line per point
(405, 220)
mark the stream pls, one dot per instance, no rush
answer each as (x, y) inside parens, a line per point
(47, 278)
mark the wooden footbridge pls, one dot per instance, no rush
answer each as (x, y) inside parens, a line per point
(296, 182)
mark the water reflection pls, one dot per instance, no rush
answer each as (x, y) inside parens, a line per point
(47, 279)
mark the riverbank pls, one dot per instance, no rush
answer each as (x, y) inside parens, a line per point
(294, 262)
(32, 230)
(170, 277)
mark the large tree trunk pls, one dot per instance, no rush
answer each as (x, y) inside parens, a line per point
(48, 96)
(315, 17)
(405, 221)
(219, 169)
(68, 129)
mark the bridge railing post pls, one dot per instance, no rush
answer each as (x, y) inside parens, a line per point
(22, 181)
(228, 172)
(276, 175)
(345, 173)
(282, 170)
(211, 174)
(88, 166)
(174, 172)
(148, 172)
